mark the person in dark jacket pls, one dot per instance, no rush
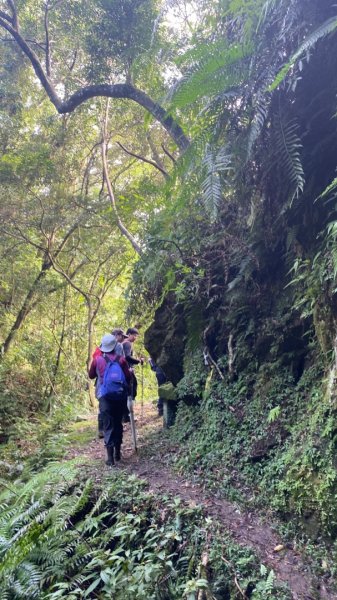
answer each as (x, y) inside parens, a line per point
(111, 406)
(132, 334)
(161, 379)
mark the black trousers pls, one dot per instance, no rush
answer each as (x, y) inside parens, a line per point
(134, 385)
(112, 408)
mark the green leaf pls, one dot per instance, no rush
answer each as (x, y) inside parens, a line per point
(327, 27)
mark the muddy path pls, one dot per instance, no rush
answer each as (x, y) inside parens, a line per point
(246, 528)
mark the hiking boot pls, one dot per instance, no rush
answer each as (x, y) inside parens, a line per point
(110, 456)
(118, 452)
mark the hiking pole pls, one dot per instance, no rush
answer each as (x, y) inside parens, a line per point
(132, 423)
(142, 391)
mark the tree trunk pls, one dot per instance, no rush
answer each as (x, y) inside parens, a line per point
(24, 311)
(60, 346)
(90, 327)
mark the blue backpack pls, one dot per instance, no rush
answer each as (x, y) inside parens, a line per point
(113, 379)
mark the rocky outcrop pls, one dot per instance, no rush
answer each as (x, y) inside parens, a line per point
(165, 339)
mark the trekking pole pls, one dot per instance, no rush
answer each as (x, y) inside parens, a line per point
(132, 419)
(142, 391)
(132, 423)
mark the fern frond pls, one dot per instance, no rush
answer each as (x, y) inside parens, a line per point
(288, 149)
(215, 163)
(261, 106)
(330, 189)
(215, 72)
(325, 29)
(266, 9)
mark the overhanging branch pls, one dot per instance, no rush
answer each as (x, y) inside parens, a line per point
(129, 92)
(118, 90)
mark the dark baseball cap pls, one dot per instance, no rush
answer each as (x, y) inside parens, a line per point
(132, 331)
(119, 332)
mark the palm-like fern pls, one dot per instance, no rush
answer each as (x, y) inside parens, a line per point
(216, 164)
(57, 540)
(288, 147)
(308, 44)
(215, 68)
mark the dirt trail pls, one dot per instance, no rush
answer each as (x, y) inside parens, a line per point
(246, 528)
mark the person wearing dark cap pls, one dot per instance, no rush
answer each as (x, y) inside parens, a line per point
(121, 337)
(132, 334)
(113, 387)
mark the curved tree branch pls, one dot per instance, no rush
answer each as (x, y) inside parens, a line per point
(6, 17)
(146, 160)
(118, 90)
(169, 154)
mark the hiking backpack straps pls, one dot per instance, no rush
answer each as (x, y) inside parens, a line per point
(113, 379)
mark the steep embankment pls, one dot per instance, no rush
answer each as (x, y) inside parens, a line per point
(246, 319)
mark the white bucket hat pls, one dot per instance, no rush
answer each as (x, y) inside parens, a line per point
(108, 343)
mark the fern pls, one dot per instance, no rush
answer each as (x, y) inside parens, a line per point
(330, 191)
(325, 29)
(288, 150)
(217, 70)
(268, 6)
(262, 101)
(215, 163)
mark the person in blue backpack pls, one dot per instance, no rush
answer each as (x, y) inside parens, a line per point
(113, 386)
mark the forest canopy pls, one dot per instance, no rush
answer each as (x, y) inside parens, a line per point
(174, 117)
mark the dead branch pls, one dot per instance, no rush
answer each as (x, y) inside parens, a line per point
(229, 564)
(155, 153)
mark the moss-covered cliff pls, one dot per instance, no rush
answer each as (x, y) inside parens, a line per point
(248, 332)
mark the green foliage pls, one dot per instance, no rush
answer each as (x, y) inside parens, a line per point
(215, 68)
(62, 538)
(119, 33)
(193, 382)
(215, 163)
(322, 31)
(221, 232)
(252, 432)
(289, 146)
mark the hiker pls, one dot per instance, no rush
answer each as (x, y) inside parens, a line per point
(161, 379)
(121, 337)
(113, 385)
(132, 334)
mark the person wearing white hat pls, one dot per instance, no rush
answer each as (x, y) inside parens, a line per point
(113, 380)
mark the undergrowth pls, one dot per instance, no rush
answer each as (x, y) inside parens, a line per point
(62, 536)
(33, 444)
(269, 442)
